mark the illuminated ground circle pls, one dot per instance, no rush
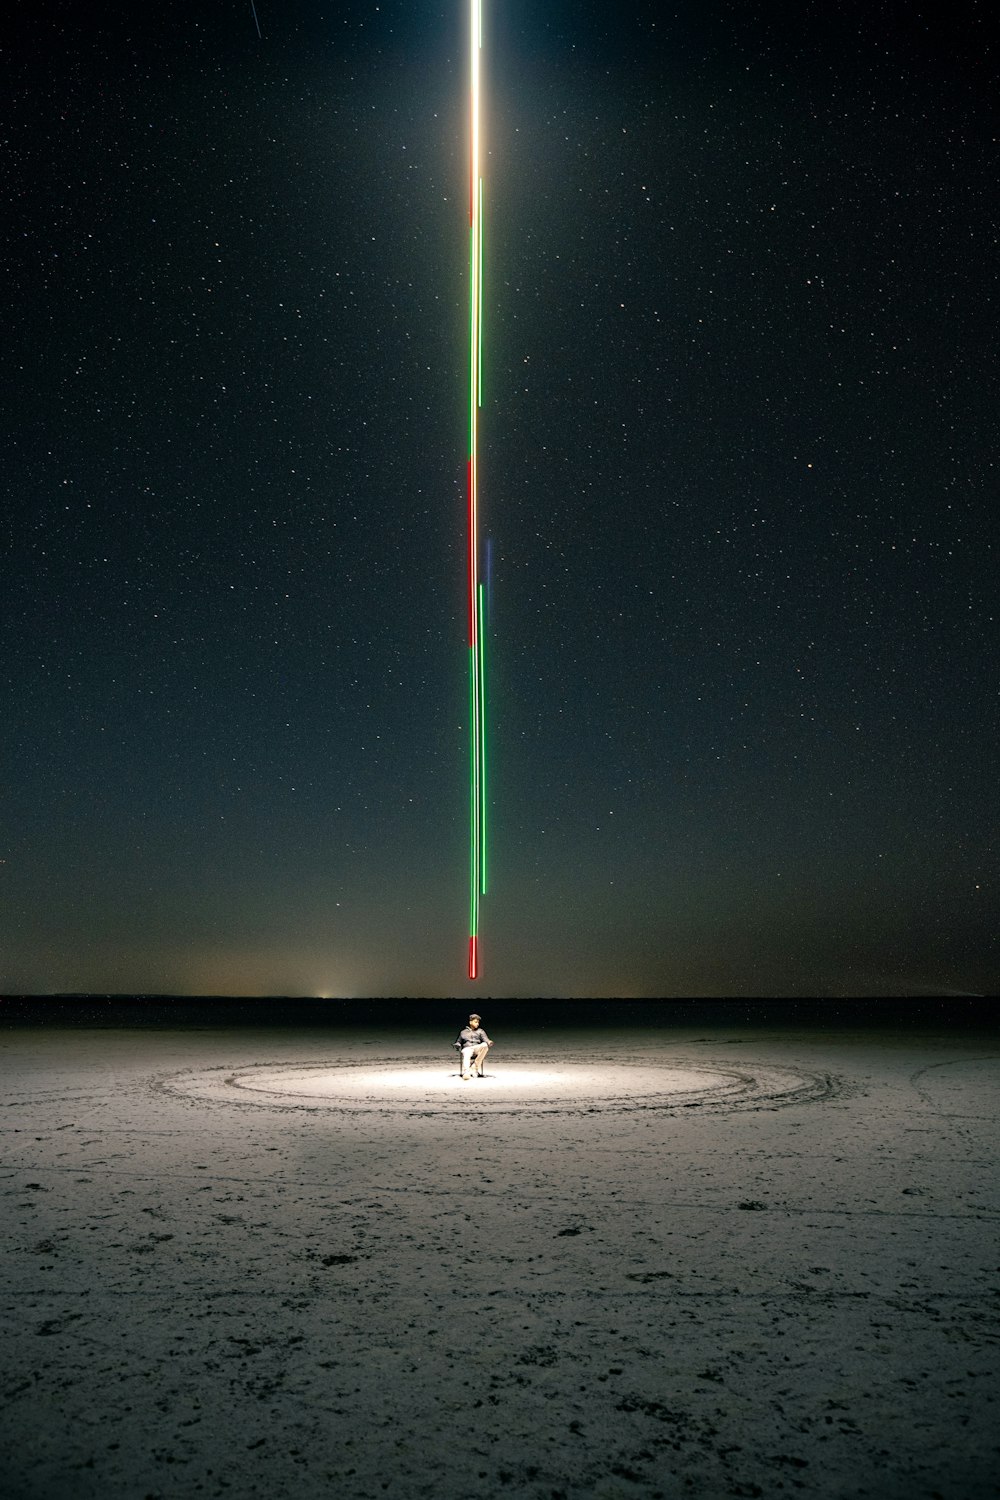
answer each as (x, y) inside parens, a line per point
(412, 1085)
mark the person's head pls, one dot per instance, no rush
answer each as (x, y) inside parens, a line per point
(474, 1020)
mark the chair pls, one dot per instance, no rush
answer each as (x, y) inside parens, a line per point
(482, 1064)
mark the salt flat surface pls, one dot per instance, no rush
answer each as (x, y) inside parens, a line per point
(633, 1265)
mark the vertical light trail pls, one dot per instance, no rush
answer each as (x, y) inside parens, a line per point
(481, 621)
(477, 663)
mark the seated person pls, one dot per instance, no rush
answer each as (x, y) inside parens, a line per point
(473, 1043)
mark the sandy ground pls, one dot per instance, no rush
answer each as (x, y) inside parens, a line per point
(727, 1263)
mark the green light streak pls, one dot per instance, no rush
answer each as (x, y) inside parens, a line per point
(476, 594)
(482, 746)
(474, 801)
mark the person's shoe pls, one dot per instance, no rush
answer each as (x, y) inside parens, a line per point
(465, 1077)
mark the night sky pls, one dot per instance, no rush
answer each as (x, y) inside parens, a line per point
(738, 468)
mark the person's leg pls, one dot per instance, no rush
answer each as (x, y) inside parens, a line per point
(466, 1057)
(479, 1057)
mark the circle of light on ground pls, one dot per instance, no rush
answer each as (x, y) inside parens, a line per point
(416, 1085)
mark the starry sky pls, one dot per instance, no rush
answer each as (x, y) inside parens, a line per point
(738, 472)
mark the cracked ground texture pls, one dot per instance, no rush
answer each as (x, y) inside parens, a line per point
(658, 1265)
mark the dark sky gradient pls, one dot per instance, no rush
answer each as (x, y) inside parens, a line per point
(739, 469)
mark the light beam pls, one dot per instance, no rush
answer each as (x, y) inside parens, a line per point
(476, 611)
